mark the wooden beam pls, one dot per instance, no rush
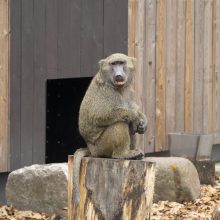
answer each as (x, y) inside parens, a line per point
(180, 72)
(171, 64)
(4, 85)
(70, 187)
(198, 66)
(161, 77)
(189, 67)
(149, 77)
(216, 69)
(132, 20)
(140, 54)
(208, 69)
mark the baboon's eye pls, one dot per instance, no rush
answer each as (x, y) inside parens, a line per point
(121, 62)
(117, 63)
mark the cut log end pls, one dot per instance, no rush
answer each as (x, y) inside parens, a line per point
(113, 189)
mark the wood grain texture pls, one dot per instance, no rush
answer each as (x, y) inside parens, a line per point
(15, 84)
(91, 36)
(70, 187)
(132, 22)
(27, 81)
(39, 90)
(198, 66)
(52, 38)
(69, 38)
(114, 189)
(180, 68)
(189, 66)
(186, 63)
(208, 68)
(115, 36)
(171, 64)
(216, 70)
(140, 71)
(149, 77)
(161, 77)
(4, 85)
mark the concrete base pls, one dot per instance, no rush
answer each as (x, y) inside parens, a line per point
(3, 180)
(217, 169)
(192, 146)
(216, 153)
(206, 171)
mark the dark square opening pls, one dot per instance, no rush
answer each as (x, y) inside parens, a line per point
(64, 97)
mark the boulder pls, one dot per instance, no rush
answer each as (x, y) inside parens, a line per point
(176, 179)
(41, 188)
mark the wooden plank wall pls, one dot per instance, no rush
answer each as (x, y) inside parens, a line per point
(54, 39)
(4, 85)
(177, 44)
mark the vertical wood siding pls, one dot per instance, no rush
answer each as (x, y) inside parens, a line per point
(50, 39)
(4, 85)
(178, 50)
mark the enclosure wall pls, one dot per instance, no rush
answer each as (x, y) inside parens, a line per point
(177, 44)
(4, 85)
(54, 39)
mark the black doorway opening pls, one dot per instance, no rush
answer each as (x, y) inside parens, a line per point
(64, 97)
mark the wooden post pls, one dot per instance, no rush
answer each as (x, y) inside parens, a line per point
(70, 187)
(112, 189)
(160, 131)
(4, 85)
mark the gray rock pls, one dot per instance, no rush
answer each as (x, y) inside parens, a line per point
(41, 188)
(176, 179)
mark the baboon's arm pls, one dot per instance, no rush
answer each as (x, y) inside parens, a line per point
(119, 114)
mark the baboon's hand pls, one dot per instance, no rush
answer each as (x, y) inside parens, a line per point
(142, 126)
(139, 125)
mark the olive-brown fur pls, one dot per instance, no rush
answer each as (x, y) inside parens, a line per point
(109, 117)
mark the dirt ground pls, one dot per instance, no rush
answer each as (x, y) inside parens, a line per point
(200, 209)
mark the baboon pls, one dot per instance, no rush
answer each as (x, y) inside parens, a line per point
(108, 116)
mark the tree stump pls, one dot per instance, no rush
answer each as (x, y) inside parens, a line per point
(112, 189)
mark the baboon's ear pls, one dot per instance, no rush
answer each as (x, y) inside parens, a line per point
(101, 62)
(134, 61)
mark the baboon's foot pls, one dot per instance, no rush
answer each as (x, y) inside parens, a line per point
(130, 154)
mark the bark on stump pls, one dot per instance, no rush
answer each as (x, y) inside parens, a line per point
(112, 189)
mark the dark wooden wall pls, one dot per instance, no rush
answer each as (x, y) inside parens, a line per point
(53, 39)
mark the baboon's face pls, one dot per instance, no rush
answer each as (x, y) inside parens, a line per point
(117, 70)
(118, 73)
